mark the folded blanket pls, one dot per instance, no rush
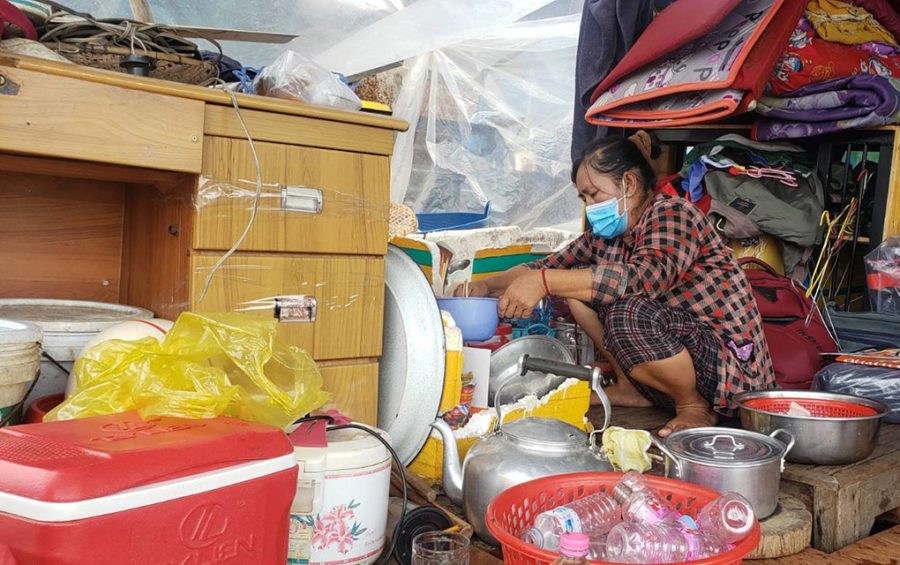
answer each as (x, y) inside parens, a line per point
(809, 59)
(841, 22)
(845, 103)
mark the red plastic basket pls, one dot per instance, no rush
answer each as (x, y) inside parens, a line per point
(514, 510)
(820, 408)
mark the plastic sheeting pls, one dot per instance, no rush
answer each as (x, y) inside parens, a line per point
(491, 119)
(490, 116)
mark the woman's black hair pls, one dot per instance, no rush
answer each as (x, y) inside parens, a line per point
(614, 155)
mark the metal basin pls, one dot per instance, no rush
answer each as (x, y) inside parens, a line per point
(819, 440)
(505, 365)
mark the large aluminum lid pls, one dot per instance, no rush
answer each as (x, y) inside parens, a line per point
(724, 447)
(13, 332)
(69, 315)
(545, 431)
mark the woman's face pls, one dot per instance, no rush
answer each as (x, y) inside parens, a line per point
(595, 187)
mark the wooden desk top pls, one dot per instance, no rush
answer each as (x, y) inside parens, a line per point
(209, 95)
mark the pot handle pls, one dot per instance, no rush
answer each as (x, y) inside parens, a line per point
(788, 444)
(668, 454)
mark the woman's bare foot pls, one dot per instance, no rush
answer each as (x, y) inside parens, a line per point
(623, 394)
(695, 415)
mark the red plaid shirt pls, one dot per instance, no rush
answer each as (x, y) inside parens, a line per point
(679, 259)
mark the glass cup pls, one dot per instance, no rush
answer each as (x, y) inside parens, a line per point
(440, 548)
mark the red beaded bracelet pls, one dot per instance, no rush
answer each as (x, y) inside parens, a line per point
(544, 279)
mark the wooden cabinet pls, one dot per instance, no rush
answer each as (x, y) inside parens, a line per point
(128, 189)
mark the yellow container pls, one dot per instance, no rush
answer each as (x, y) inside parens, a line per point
(569, 405)
(452, 381)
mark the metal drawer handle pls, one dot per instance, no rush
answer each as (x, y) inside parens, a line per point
(301, 199)
(293, 309)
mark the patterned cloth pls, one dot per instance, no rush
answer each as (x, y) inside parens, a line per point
(678, 259)
(827, 107)
(809, 59)
(640, 330)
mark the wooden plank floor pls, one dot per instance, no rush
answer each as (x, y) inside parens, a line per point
(844, 499)
(882, 548)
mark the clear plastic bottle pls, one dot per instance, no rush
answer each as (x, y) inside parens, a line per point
(573, 549)
(640, 501)
(728, 518)
(658, 543)
(593, 515)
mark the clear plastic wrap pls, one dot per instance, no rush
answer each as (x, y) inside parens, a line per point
(207, 365)
(491, 120)
(294, 77)
(883, 276)
(876, 383)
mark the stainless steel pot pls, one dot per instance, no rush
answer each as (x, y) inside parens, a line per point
(820, 441)
(729, 460)
(505, 370)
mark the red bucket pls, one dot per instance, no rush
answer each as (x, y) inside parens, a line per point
(514, 510)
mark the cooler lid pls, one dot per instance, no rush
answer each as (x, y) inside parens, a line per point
(88, 458)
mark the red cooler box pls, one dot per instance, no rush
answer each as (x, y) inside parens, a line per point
(168, 491)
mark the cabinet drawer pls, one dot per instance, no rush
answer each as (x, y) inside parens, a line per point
(354, 390)
(348, 294)
(313, 200)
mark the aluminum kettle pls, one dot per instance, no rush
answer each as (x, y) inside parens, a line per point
(522, 450)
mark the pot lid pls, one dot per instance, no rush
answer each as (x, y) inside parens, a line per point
(545, 431)
(724, 446)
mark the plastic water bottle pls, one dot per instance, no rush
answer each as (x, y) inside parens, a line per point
(593, 515)
(573, 549)
(640, 501)
(728, 518)
(632, 542)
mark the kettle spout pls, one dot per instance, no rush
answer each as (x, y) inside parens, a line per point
(453, 479)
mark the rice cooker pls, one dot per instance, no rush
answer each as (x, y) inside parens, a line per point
(340, 511)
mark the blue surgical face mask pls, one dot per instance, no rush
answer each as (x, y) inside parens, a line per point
(605, 219)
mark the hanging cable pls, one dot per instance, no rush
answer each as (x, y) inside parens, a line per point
(256, 198)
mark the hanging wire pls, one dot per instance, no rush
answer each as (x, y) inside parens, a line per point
(256, 198)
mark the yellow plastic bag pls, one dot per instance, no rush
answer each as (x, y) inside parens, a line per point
(627, 449)
(207, 365)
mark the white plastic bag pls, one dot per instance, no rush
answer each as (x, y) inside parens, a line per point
(294, 77)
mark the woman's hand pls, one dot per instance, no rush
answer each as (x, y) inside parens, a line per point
(477, 289)
(522, 296)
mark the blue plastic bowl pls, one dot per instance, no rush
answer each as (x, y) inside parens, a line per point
(476, 317)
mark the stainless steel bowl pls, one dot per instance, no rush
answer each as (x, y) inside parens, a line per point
(505, 365)
(819, 440)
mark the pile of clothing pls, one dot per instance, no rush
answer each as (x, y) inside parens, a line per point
(840, 70)
(751, 189)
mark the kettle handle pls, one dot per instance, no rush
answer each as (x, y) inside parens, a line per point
(588, 374)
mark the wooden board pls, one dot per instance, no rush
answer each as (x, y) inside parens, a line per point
(190, 92)
(354, 389)
(892, 208)
(296, 130)
(60, 238)
(882, 548)
(55, 116)
(70, 169)
(786, 532)
(355, 199)
(156, 259)
(846, 499)
(349, 291)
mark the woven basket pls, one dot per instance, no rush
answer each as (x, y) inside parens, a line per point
(176, 68)
(402, 221)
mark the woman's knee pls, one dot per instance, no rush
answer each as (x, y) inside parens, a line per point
(624, 317)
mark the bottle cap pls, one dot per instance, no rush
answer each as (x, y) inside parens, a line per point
(574, 545)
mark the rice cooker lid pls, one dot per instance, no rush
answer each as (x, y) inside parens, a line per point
(355, 449)
(69, 315)
(725, 447)
(13, 332)
(90, 458)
